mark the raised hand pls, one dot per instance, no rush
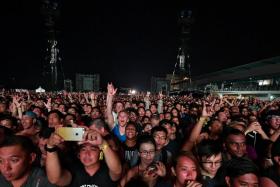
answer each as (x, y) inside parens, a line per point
(252, 127)
(48, 105)
(70, 97)
(92, 137)
(205, 112)
(93, 96)
(147, 97)
(161, 170)
(16, 101)
(111, 91)
(54, 140)
(160, 95)
(193, 184)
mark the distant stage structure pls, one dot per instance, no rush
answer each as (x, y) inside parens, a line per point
(52, 72)
(182, 70)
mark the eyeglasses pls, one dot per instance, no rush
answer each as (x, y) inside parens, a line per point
(209, 163)
(145, 153)
(160, 137)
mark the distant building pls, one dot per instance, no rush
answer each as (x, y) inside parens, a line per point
(260, 78)
(68, 86)
(87, 82)
(160, 84)
(260, 75)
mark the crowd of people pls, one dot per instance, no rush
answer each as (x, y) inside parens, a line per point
(138, 140)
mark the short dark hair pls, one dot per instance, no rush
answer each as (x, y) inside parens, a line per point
(132, 110)
(131, 123)
(165, 122)
(208, 148)
(240, 166)
(60, 115)
(73, 116)
(231, 131)
(159, 129)
(233, 168)
(145, 139)
(23, 141)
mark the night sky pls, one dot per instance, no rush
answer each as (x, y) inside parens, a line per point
(127, 42)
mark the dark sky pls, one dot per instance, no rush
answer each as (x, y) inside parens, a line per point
(127, 42)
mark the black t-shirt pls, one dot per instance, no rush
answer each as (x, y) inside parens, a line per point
(130, 154)
(172, 147)
(37, 178)
(80, 178)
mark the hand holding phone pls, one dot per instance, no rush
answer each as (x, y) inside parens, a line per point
(152, 168)
(92, 137)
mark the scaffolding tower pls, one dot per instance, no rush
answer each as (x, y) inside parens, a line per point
(50, 10)
(181, 75)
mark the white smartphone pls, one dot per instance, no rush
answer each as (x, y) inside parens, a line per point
(71, 133)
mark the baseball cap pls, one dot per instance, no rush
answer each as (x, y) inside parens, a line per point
(30, 114)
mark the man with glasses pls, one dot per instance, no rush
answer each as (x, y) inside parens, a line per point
(209, 155)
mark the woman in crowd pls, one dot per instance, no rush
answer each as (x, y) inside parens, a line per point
(148, 170)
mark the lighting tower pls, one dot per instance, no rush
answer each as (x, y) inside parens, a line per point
(50, 10)
(182, 70)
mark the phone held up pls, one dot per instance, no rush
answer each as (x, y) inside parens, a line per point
(71, 133)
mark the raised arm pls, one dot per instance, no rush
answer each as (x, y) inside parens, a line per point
(188, 145)
(48, 105)
(111, 158)
(93, 99)
(16, 105)
(147, 101)
(160, 103)
(56, 174)
(111, 91)
(86, 97)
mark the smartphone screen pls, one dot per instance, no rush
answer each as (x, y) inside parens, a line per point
(71, 133)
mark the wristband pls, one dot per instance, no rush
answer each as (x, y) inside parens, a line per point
(203, 120)
(51, 150)
(103, 146)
